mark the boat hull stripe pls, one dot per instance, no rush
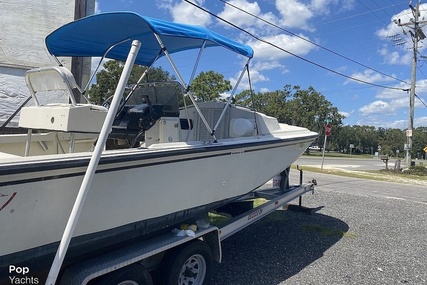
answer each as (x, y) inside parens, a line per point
(109, 163)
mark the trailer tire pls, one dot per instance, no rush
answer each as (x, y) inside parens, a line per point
(134, 274)
(190, 264)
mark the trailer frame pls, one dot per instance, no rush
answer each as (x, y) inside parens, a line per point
(153, 251)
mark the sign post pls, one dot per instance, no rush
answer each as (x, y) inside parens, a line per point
(328, 130)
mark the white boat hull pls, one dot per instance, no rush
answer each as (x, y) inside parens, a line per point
(131, 186)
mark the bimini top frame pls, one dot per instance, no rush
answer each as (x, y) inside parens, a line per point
(110, 35)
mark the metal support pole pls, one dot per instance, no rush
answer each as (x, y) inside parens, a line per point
(323, 151)
(90, 172)
(231, 97)
(181, 79)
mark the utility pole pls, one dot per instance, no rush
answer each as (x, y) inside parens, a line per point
(417, 35)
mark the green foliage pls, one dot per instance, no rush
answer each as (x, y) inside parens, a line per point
(392, 140)
(343, 137)
(270, 103)
(419, 141)
(417, 170)
(108, 78)
(208, 86)
(308, 108)
(294, 106)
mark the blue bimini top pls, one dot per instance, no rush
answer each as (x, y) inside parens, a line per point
(92, 36)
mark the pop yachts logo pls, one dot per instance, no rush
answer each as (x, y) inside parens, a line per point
(21, 275)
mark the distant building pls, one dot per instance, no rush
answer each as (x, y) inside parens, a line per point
(24, 26)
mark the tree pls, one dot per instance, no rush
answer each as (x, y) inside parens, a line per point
(393, 140)
(310, 109)
(366, 138)
(270, 103)
(419, 142)
(208, 86)
(108, 78)
(344, 136)
(295, 106)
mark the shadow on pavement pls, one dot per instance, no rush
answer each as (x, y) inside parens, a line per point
(276, 248)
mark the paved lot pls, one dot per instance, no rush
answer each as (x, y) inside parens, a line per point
(343, 163)
(352, 238)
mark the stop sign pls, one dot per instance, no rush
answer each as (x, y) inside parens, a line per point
(328, 129)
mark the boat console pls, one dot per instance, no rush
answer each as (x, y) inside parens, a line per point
(143, 107)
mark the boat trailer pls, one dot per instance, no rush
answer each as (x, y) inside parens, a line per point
(135, 261)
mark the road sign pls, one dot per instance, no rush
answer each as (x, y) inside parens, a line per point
(425, 149)
(328, 129)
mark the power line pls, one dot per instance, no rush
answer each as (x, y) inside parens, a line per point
(297, 56)
(372, 12)
(421, 100)
(353, 16)
(313, 43)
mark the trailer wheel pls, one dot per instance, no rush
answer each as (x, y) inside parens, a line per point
(191, 264)
(134, 274)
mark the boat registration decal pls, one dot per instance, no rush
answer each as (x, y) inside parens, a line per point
(254, 214)
(8, 201)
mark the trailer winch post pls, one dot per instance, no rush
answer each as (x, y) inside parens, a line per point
(300, 208)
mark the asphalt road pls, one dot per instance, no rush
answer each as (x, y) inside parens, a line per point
(361, 232)
(346, 163)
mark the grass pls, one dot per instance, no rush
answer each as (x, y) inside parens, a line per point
(337, 154)
(380, 175)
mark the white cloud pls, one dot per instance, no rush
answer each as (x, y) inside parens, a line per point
(370, 76)
(392, 93)
(257, 75)
(346, 114)
(268, 65)
(401, 103)
(396, 58)
(405, 17)
(241, 18)
(377, 107)
(294, 14)
(395, 36)
(420, 121)
(398, 124)
(421, 87)
(183, 12)
(297, 14)
(403, 96)
(289, 43)
(378, 121)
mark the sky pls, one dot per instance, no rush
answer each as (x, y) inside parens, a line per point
(325, 44)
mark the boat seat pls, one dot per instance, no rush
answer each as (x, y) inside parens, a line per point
(56, 109)
(65, 115)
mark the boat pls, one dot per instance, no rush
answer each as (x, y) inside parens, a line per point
(178, 163)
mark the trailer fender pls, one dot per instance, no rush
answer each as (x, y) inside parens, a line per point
(212, 239)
